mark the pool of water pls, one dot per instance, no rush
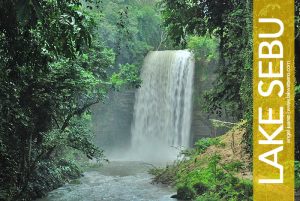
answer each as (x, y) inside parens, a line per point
(116, 181)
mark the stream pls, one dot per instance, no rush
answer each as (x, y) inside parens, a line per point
(116, 181)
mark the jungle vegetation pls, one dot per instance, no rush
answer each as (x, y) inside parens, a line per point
(227, 24)
(58, 58)
(230, 22)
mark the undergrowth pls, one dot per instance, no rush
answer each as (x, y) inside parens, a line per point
(205, 179)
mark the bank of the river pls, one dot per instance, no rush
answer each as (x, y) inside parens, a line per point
(116, 181)
(216, 169)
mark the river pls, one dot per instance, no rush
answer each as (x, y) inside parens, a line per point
(116, 181)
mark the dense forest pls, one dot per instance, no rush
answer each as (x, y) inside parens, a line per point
(59, 58)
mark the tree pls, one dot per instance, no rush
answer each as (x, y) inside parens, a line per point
(229, 22)
(52, 71)
(130, 28)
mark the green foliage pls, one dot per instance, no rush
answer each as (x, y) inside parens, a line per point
(211, 182)
(228, 24)
(209, 196)
(131, 28)
(50, 175)
(128, 75)
(185, 193)
(234, 166)
(205, 48)
(79, 137)
(52, 70)
(200, 188)
(205, 178)
(166, 175)
(230, 188)
(190, 178)
(156, 171)
(297, 174)
(202, 144)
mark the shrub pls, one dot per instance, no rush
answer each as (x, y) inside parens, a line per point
(232, 188)
(234, 166)
(205, 48)
(209, 197)
(202, 144)
(165, 175)
(186, 193)
(200, 188)
(212, 183)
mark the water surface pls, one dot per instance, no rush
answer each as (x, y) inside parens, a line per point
(117, 181)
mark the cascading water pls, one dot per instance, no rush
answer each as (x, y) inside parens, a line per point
(163, 104)
(162, 119)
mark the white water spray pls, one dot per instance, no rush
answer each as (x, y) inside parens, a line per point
(163, 104)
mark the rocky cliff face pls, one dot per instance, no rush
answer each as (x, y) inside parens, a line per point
(203, 80)
(112, 120)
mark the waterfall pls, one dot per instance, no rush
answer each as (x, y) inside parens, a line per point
(163, 104)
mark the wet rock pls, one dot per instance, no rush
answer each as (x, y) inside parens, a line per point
(174, 196)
